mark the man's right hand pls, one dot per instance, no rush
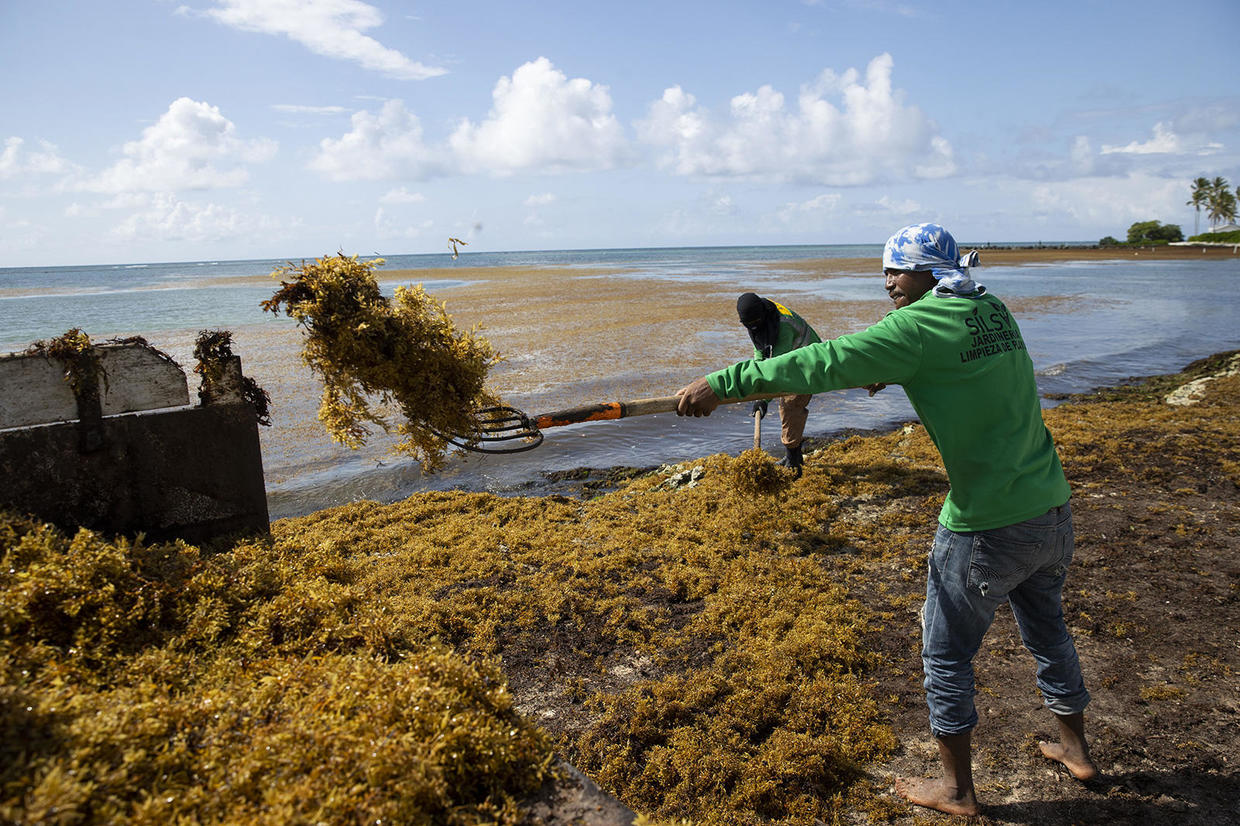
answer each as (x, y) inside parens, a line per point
(696, 399)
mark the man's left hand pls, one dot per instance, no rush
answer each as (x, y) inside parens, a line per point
(696, 399)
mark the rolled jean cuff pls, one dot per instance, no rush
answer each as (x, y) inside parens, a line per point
(1066, 706)
(938, 732)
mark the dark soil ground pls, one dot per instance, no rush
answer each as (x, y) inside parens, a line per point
(1153, 599)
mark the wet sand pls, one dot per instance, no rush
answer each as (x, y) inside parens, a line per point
(573, 336)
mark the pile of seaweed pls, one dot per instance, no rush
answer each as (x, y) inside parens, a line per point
(155, 684)
(756, 473)
(703, 652)
(365, 659)
(374, 354)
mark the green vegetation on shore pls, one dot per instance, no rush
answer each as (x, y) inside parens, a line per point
(703, 654)
(1217, 199)
(1215, 196)
(1232, 237)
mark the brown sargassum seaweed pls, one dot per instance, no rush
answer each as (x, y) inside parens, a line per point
(702, 652)
(756, 473)
(375, 353)
(318, 671)
(212, 350)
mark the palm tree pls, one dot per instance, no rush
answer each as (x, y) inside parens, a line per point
(1200, 197)
(1228, 211)
(1220, 202)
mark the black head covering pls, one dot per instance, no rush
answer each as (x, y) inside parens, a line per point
(760, 317)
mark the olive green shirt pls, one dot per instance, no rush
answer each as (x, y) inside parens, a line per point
(794, 332)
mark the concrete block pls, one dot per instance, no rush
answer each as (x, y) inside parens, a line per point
(33, 389)
(188, 472)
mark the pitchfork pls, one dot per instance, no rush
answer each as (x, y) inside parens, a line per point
(500, 428)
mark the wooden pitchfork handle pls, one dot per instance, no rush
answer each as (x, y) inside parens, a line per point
(623, 410)
(504, 429)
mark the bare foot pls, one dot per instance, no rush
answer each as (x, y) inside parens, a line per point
(935, 794)
(1075, 760)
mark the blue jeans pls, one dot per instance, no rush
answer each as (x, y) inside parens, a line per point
(970, 575)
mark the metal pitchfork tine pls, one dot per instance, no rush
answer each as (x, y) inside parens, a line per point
(499, 426)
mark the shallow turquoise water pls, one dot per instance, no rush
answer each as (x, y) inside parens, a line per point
(1116, 319)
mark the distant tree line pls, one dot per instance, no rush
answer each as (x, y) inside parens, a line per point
(1214, 196)
(1147, 232)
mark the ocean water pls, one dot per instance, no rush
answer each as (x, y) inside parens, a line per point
(105, 300)
(1097, 323)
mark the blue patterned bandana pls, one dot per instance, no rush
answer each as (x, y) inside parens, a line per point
(930, 247)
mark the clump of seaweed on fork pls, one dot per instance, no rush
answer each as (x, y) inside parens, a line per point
(377, 356)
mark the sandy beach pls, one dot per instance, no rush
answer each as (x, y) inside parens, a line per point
(704, 655)
(576, 336)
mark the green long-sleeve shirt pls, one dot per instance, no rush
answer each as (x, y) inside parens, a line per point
(963, 364)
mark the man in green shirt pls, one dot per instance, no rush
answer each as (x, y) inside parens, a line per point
(775, 330)
(1005, 528)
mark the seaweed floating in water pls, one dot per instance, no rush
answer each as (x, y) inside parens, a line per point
(373, 353)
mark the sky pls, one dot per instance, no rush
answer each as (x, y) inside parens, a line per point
(153, 130)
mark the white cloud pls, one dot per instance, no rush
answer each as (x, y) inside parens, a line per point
(722, 205)
(16, 160)
(383, 146)
(1191, 130)
(19, 234)
(192, 146)
(9, 163)
(907, 206)
(887, 209)
(542, 121)
(1167, 153)
(331, 28)
(1164, 141)
(301, 109)
(401, 195)
(533, 218)
(1208, 119)
(819, 205)
(1047, 157)
(1082, 155)
(166, 218)
(388, 227)
(1112, 201)
(127, 200)
(870, 135)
